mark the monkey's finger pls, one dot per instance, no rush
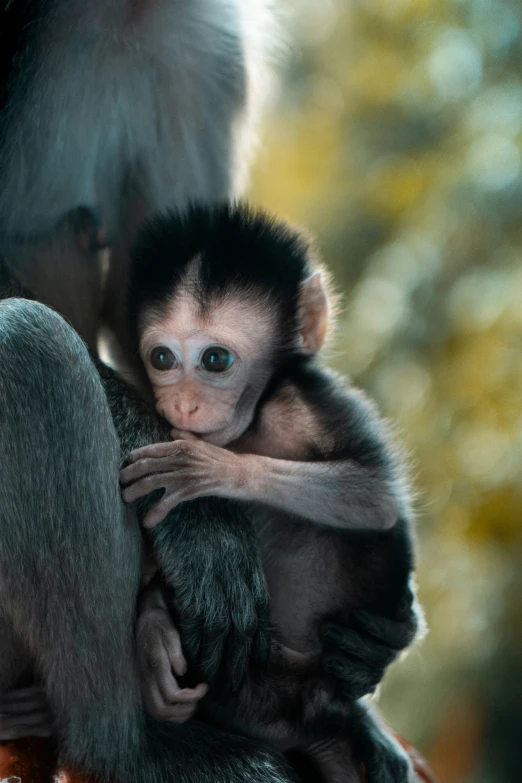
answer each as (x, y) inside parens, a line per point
(10, 733)
(21, 707)
(180, 713)
(146, 467)
(154, 702)
(17, 694)
(176, 706)
(396, 634)
(189, 696)
(153, 451)
(159, 510)
(172, 694)
(146, 485)
(168, 686)
(159, 676)
(358, 645)
(36, 718)
(172, 644)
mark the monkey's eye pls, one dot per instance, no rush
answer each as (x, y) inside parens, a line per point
(162, 358)
(217, 359)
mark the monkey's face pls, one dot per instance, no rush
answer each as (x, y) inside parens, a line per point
(208, 368)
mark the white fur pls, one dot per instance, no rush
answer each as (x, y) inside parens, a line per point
(162, 94)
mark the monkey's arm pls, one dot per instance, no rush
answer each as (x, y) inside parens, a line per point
(210, 558)
(341, 494)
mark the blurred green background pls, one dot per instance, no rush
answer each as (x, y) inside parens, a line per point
(396, 137)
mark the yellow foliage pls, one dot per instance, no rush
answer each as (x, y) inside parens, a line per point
(397, 139)
(393, 185)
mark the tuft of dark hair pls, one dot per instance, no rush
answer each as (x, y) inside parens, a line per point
(238, 250)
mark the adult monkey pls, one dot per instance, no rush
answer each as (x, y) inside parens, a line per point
(122, 107)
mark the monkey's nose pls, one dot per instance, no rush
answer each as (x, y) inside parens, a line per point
(189, 408)
(185, 410)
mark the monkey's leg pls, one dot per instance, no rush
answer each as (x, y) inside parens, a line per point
(70, 560)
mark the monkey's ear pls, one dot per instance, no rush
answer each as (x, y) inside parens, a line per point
(313, 314)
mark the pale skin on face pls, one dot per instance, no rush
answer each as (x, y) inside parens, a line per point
(215, 407)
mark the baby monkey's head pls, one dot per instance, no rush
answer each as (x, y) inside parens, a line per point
(219, 299)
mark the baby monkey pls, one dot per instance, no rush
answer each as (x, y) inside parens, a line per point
(229, 312)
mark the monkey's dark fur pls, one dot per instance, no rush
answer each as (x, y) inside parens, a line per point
(235, 252)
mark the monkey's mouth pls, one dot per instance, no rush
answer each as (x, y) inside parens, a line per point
(207, 437)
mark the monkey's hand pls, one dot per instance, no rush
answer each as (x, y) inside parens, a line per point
(208, 554)
(359, 655)
(160, 657)
(185, 470)
(25, 713)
